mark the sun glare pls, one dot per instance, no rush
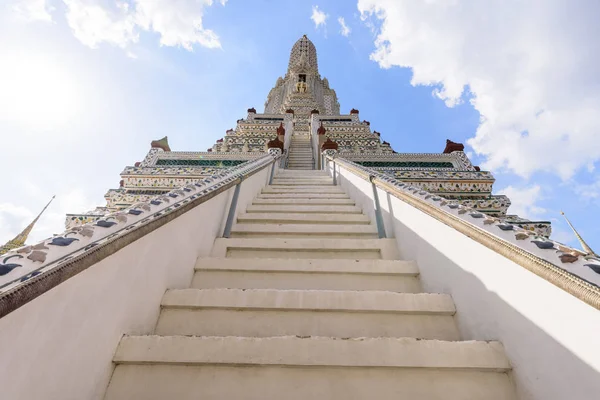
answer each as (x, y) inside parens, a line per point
(36, 91)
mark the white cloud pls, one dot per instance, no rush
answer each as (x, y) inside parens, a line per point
(318, 17)
(523, 201)
(34, 10)
(117, 22)
(589, 191)
(179, 23)
(13, 219)
(93, 23)
(529, 68)
(344, 29)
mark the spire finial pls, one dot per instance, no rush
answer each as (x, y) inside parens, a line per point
(584, 245)
(20, 239)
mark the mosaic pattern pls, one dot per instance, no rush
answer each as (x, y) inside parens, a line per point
(201, 162)
(458, 159)
(448, 175)
(405, 164)
(451, 188)
(117, 199)
(73, 220)
(171, 171)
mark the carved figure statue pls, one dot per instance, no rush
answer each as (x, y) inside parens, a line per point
(301, 87)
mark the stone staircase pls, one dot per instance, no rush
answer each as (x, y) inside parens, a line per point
(304, 301)
(301, 156)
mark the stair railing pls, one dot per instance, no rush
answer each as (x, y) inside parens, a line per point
(30, 271)
(549, 264)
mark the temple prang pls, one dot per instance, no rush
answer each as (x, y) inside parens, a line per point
(302, 104)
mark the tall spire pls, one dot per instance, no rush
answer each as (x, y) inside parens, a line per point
(20, 239)
(303, 57)
(584, 245)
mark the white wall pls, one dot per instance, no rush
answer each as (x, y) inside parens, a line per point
(550, 336)
(60, 345)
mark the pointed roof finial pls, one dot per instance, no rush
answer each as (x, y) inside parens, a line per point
(20, 239)
(584, 245)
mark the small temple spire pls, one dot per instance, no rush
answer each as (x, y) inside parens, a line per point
(20, 239)
(584, 245)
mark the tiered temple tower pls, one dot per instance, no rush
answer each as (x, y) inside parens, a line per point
(329, 266)
(302, 104)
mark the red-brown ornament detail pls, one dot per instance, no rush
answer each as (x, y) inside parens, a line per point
(385, 143)
(321, 130)
(121, 183)
(289, 111)
(568, 258)
(314, 111)
(137, 164)
(228, 131)
(220, 140)
(281, 130)
(209, 149)
(354, 111)
(477, 168)
(366, 122)
(161, 144)
(275, 144)
(252, 110)
(453, 146)
(329, 145)
(377, 133)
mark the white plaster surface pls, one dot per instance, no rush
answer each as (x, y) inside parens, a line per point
(550, 337)
(61, 345)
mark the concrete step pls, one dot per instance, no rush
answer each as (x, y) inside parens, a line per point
(301, 182)
(385, 249)
(278, 273)
(304, 189)
(330, 313)
(304, 178)
(286, 208)
(342, 231)
(303, 196)
(286, 172)
(305, 201)
(303, 218)
(315, 173)
(293, 368)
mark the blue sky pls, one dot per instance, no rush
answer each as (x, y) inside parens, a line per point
(85, 85)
